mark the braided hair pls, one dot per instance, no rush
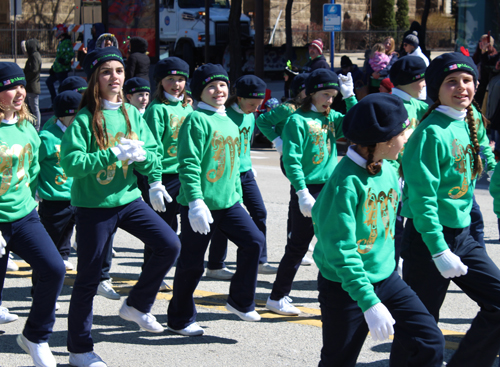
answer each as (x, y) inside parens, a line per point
(372, 167)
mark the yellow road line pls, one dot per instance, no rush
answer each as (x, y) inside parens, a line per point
(217, 301)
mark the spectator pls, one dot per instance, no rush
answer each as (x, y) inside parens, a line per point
(290, 73)
(138, 61)
(485, 57)
(32, 72)
(389, 45)
(414, 27)
(62, 64)
(316, 58)
(412, 48)
(378, 59)
(97, 30)
(106, 40)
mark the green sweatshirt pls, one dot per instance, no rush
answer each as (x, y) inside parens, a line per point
(100, 180)
(246, 125)
(437, 171)
(309, 145)
(49, 122)
(354, 221)
(209, 164)
(19, 169)
(495, 190)
(165, 121)
(53, 184)
(487, 155)
(271, 123)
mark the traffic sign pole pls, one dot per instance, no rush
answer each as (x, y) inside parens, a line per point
(332, 14)
(332, 46)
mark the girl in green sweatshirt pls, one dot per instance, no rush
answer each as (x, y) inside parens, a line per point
(210, 196)
(441, 164)
(309, 158)
(20, 229)
(354, 221)
(99, 150)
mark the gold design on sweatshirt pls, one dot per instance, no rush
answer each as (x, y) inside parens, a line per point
(8, 158)
(246, 137)
(316, 132)
(175, 125)
(370, 209)
(219, 143)
(104, 177)
(60, 179)
(461, 163)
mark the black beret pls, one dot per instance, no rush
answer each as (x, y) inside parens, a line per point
(321, 79)
(136, 85)
(74, 83)
(298, 84)
(407, 70)
(98, 57)
(250, 86)
(205, 74)
(66, 103)
(171, 66)
(11, 75)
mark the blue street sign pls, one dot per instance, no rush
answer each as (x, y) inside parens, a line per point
(332, 16)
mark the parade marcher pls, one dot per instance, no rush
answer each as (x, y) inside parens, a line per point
(316, 58)
(240, 108)
(289, 74)
(106, 139)
(309, 158)
(20, 229)
(54, 187)
(62, 63)
(354, 216)
(138, 60)
(210, 197)
(32, 71)
(137, 91)
(441, 164)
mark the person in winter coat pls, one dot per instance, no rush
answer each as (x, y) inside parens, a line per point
(97, 31)
(317, 60)
(62, 64)
(138, 61)
(32, 73)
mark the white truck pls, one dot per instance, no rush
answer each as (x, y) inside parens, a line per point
(182, 29)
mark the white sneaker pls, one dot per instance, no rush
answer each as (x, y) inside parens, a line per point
(222, 274)
(266, 268)
(282, 307)
(311, 247)
(58, 306)
(245, 316)
(113, 252)
(146, 321)
(39, 352)
(306, 260)
(11, 265)
(89, 359)
(74, 246)
(6, 316)
(68, 265)
(164, 287)
(191, 330)
(105, 289)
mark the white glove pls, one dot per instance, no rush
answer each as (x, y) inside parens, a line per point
(306, 202)
(37, 197)
(346, 85)
(199, 216)
(449, 264)
(3, 245)
(278, 144)
(254, 172)
(157, 193)
(379, 321)
(490, 173)
(126, 150)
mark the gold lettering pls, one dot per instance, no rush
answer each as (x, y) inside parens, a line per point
(460, 154)
(218, 143)
(8, 158)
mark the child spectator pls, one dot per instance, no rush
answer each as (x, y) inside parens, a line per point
(138, 60)
(32, 71)
(62, 64)
(378, 59)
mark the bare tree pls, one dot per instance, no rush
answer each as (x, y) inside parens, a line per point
(288, 29)
(235, 40)
(46, 13)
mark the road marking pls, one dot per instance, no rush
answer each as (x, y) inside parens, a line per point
(217, 301)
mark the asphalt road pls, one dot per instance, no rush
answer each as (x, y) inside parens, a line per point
(228, 341)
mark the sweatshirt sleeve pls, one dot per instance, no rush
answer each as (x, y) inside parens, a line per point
(338, 118)
(334, 221)
(150, 167)
(268, 120)
(156, 119)
(76, 158)
(495, 190)
(294, 137)
(191, 147)
(487, 155)
(421, 168)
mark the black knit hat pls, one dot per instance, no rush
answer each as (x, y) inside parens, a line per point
(407, 70)
(74, 83)
(98, 57)
(11, 75)
(298, 84)
(250, 86)
(345, 62)
(412, 39)
(136, 85)
(321, 79)
(375, 119)
(205, 74)
(66, 103)
(171, 66)
(444, 65)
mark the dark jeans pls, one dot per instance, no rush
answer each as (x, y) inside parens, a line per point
(480, 345)
(345, 329)
(302, 232)
(237, 225)
(95, 228)
(476, 223)
(252, 198)
(28, 238)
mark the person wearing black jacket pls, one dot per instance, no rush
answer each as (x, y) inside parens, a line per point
(32, 72)
(317, 60)
(138, 61)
